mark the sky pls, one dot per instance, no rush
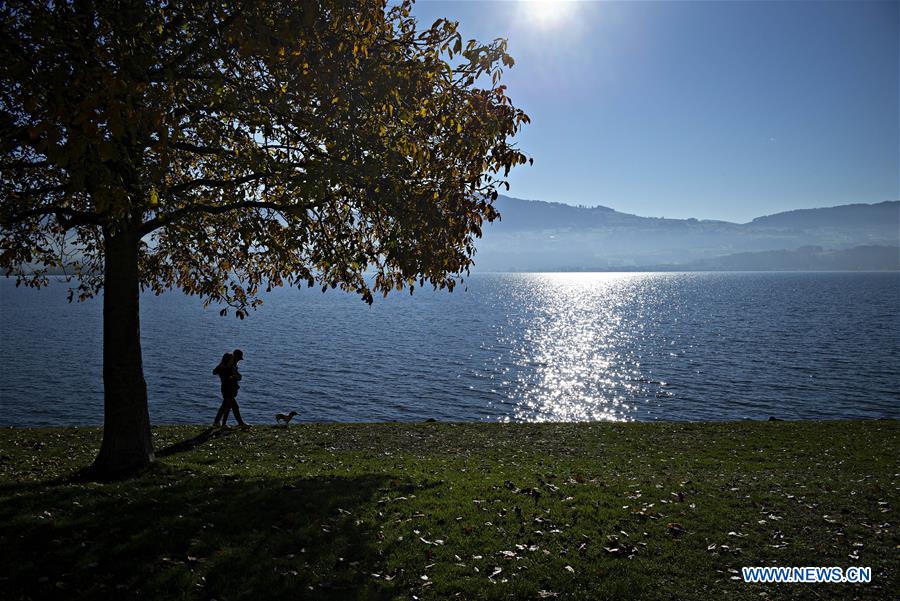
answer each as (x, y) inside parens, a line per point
(714, 110)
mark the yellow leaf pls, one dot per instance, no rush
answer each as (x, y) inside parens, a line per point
(154, 197)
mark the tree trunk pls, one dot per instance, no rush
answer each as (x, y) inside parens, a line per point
(127, 444)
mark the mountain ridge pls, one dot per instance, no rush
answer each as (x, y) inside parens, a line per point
(535, 235)
(809, 217)
(891, 207)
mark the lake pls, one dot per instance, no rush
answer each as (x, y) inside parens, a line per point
(507, 347)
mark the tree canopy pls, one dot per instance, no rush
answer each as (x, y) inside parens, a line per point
(228, 147)
(248, 144)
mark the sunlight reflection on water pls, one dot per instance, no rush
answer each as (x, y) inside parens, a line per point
(506, 347)
(574, 332)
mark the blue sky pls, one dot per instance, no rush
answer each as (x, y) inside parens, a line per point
(716, 110)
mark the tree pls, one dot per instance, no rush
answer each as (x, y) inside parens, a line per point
(227, 147)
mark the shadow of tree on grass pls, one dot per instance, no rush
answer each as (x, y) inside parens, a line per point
(174, 534)
(191, 443)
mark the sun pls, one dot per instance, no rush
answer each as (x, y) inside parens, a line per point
(546, 14)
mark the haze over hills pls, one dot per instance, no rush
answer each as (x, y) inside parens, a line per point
(534, 235)
(543, 236)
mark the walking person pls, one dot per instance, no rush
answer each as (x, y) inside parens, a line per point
(230, 376)
(224, 371)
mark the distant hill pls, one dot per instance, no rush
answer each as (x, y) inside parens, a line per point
(856, 215)
(546, 236)
(518, 214)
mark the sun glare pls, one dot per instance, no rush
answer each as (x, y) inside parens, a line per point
(546, 14)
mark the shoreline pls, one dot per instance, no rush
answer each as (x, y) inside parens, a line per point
(661, 422)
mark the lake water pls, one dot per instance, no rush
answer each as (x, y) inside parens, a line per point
(518, 347)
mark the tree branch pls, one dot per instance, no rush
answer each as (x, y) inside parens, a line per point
(214, 183)
(164, 220)
(66, 217)
(187, 146)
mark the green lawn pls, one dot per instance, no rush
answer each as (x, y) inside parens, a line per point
(469, 511)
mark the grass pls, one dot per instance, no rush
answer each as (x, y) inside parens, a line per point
(443, 511)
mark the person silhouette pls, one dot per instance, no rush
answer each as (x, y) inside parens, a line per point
(224, 370)
(229, 375)
(236, 376)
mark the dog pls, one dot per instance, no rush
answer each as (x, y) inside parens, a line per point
(285, 417)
